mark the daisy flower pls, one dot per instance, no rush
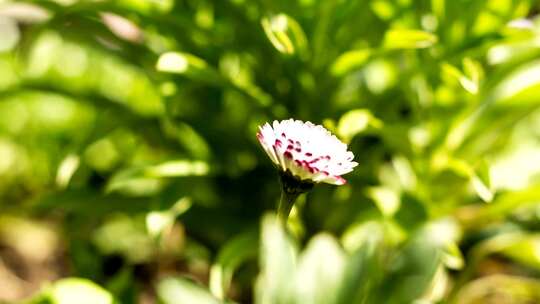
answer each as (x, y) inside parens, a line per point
(305, 154)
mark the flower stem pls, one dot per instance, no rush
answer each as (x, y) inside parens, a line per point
(286, 202)
(291, 188)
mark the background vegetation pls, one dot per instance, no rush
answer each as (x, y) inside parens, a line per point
(130, 171)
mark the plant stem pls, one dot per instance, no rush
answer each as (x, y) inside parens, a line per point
(291, 188)
(286, 203)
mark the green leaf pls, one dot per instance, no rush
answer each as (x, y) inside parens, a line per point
(278, 254)
(473, 70)
(190, 66)
(363, 268)
(76, 290)
(481, 183)
(413, 270)
(520, 86)
(179, 63)
(384, 9)
(355, 122)
(408, 39)
(177, 168)
(411, 213)
(452, 256)
(158, 222)
(191, 140)
(349, 61)
(320, 270)
(478, 177)
(176, 290)
(525, 250)
(145, 180)
(126, 236)
(453, 73)
(66, 169)
(518, 290)
(507, 203)
(386, 199)
(496, 244)
(230, 257)
(285, 34)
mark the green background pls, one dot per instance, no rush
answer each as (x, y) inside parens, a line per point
(130, 171)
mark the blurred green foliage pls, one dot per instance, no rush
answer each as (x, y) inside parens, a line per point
(129, 162)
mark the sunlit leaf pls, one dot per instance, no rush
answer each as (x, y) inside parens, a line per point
(451, 72)
(71, 290)
(177, 168)
(525, 250)
(386, 199)
(159, 222)
(506, 203)
(473, 70)
(355, 122)
(147, 179)
(278, 257)
(66, 169)
(176, 62)
(516, 167)
(517, 290)
(383, 8)
(320, 270)
(408, 39)
(482, 188)
(181, 290)
(349, 61)
(481, 182)
(519, 86)
(231, 256)
(190, 66)
(285, 34)
(452, 257)
(380, 76)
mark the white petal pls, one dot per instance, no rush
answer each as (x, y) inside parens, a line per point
(308, 151)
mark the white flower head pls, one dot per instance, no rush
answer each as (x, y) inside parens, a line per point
(309, 152)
